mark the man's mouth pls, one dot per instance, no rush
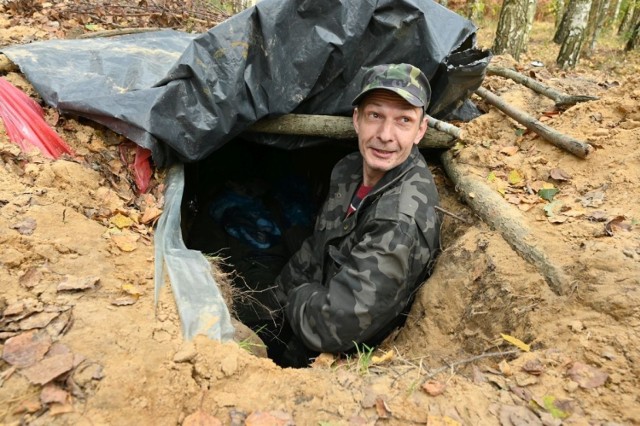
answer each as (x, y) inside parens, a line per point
(381, 153)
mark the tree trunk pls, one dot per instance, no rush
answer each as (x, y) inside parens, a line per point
(531, 16)
(563, 29)
(615, 13)
(512, 26)
(572, 44)
(627, 17)
(558, 6)
(596, 17)
(634, 41)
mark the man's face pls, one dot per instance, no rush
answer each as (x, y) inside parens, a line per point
(387, 128)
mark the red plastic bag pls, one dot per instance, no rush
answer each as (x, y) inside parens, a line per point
(24, 121)
(140, 166)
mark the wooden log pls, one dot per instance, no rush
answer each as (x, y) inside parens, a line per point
(507, 220)
(335, 127)
(561, 99)
(568, 143)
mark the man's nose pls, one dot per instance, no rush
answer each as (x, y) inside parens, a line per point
(386, 131)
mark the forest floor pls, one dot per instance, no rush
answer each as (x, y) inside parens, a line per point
(102, 355)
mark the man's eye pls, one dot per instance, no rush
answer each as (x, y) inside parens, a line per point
(405, 119)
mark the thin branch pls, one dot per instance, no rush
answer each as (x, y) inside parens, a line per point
(561, 99)
(455, 364)
(568, 143)
(461, 219)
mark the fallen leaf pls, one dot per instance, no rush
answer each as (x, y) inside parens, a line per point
(514, 177)
(52, 393)
(71, 283)
(509, 150)
(559, 174)
(521, 393)
(121, 221)
(586, 376)
(26, 227)
(39, 320)
(26, 349)
(14, 309)
(524, 380)
(30, 405)
(57, 409)
(48, 369)
(533, 366)
(60, 325)
(271, 418)
(124, 301)
(548, 193)
(491, 177)
(382, 408)
(516, 342)
(387, 356)
(132, 290)
(150, 214)
(505, 368)
(434, 387)
(617, 224)
(200, 418)
(125, 242)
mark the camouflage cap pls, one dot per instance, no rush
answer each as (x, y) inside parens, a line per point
(404, 79)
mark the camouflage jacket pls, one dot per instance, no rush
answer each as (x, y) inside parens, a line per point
(354, 276)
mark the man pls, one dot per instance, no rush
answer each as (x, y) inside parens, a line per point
(377, 234)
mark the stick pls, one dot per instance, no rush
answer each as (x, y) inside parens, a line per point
(461, 219)
(561, 99)
(113, 33)
(572, 145)
(469, 360)
(335, 127)
(500, 215)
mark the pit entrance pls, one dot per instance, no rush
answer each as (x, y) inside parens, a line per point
(253, 205)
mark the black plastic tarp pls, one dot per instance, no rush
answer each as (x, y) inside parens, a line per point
(183, 96)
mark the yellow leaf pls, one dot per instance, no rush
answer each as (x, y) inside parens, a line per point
(387, 356)
(514, 177)
(491, 177)
(132, 290)
(121, 221)
(516, 342)
(547, 185)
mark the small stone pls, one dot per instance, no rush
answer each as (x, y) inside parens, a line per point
(229, 365)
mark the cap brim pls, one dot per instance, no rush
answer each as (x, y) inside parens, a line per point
(412, 99)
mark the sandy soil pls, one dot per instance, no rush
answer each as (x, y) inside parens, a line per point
(101, 355)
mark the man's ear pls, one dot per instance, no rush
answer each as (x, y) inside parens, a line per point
(355, 119)
(424, 124)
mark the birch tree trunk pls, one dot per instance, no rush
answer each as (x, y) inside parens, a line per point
(531, 16)
(572, 44)
(627, 18)
(615, 13)
(558, 6)
(596, 18)
(563, 28)
(512, 26)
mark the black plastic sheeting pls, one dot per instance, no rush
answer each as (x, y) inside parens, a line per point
(183, 96)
